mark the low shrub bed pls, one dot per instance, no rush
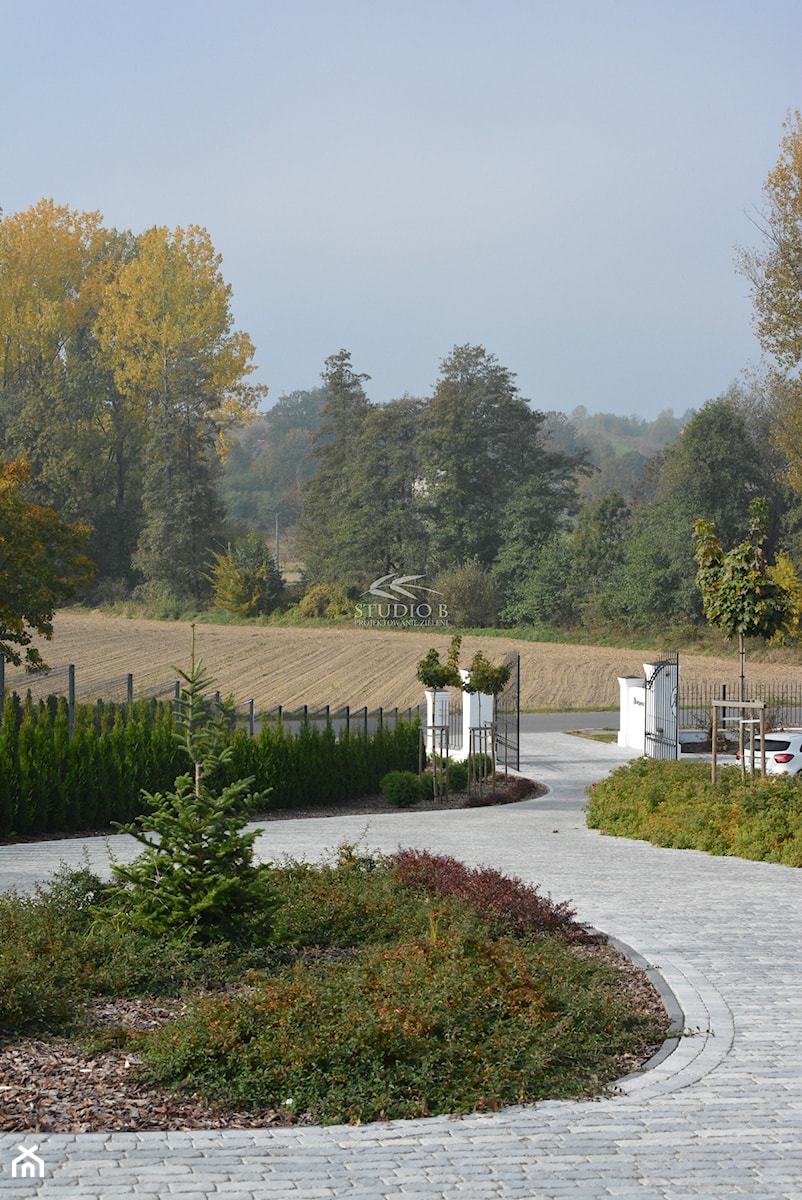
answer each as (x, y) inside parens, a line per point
(676, 804)
(392, 987)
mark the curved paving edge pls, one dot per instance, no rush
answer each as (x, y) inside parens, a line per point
(701, 1032)
(702, 1027)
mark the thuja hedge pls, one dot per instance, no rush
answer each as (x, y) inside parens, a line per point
(52, 781)
(316, 766)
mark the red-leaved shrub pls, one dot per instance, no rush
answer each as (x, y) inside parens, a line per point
(502, 900)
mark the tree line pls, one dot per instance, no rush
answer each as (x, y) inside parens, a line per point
(512, 513)
(126, 401)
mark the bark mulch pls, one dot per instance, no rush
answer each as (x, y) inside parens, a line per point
(56, 1086)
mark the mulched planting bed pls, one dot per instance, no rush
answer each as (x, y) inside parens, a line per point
(52, 1087)
(58, 1085)
(509, 789)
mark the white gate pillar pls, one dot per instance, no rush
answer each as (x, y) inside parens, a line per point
(632, 719)
(477, 713)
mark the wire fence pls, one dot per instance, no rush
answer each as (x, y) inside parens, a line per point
(342, 720)
(783, 702)
(66, 681)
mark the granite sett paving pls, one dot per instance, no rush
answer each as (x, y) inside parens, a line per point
(718, 1116)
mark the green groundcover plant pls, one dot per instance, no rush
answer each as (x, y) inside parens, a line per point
(393, 987)
(676, 804)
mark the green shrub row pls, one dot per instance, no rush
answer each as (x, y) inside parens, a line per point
(55, 782)
(318, 766)
(52, 781)
(676, 804)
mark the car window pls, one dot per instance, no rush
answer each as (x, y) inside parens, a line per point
(773, 745)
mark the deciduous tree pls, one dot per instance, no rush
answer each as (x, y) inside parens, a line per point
(724, 457)
(58, 404)
(739, 595)
(41, 565)
(166, 329)
(470, 594)
(269, 463)
(775, 273)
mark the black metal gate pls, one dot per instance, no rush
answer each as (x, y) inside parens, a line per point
(662, 737)
(508, 718)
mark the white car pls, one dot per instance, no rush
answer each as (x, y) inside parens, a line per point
(783, 752)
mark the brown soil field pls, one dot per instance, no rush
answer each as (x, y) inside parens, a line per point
(339, 665)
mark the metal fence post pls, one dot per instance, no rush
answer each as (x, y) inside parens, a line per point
(71, 696)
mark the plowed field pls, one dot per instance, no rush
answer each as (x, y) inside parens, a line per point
(345, 664)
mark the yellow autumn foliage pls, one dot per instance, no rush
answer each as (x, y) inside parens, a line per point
(785, 573)
(166, 313)
(51, 277)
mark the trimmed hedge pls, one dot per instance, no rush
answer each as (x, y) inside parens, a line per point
(318, 766)
(51, 782)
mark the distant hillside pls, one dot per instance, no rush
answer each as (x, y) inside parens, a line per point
(620, 447)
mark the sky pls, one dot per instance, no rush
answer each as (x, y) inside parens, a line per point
(564, 182)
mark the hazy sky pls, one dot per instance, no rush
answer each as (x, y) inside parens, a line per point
(562, 181)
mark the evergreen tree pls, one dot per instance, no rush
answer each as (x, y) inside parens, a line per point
(478, 439)
(196, 880)
(245, 578)
(491, 479)
(335, 502)
(182, 511)
(386, 475)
